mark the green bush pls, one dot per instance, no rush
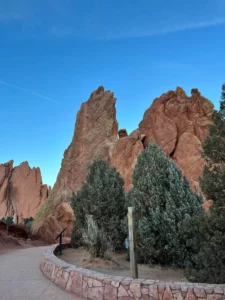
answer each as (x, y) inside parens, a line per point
(28, 222)
(208, 263)
(163, 201)
(8, 220)
(102, 197)
(95, 238)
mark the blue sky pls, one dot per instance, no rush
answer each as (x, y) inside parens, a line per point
(64, 49)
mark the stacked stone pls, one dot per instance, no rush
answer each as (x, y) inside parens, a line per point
(96, 286)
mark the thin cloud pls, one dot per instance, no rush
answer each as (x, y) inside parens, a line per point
(203, 24)
(70, 32)
(27, 91)
(167, 30)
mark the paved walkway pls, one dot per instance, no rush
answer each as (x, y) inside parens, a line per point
(21, 278)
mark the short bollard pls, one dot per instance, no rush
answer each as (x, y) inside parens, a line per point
(60, 241)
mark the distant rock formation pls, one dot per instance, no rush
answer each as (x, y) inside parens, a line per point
(21, 191)
(176, 122)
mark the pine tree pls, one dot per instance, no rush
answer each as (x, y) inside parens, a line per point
(214, 153)
(208, 265)
(102, 197)
(162, 200)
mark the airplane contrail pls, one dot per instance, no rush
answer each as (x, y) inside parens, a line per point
(27, 91)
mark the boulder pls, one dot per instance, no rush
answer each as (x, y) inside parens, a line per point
(51, 227)
(122, 133)
(19, 231)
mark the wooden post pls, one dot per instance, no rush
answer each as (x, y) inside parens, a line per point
(60, 244)
(132, 243)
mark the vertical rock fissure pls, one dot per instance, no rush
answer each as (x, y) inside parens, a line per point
(10, 203)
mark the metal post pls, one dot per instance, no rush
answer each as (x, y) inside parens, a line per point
(132, 243)
(60, 240)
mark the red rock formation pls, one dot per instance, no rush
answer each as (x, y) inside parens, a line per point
(174, 121)
(179, 124)
(52, 225)
(122, 133)
(21, 191)
(96, 135)
(6, 208)
(123, 156)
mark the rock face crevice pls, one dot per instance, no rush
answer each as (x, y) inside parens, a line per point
(174, 121)
(21, 191)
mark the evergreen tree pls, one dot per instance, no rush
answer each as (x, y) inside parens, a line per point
(213, 182)
(162, 200)
(208, 265)
(102, 197)
(8, 220)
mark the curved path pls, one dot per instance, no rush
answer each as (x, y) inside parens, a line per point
(21, 278)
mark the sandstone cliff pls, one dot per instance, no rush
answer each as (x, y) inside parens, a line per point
(95, 133)
(174, 121)
(179, 124)
(21, 191)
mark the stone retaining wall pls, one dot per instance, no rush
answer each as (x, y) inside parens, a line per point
(97, 286)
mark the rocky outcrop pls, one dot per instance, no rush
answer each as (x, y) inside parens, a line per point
(179, 124)
(21, 191)
(95, 135)
(122, 133)
(123, 156)
(6, 206)
(174, 121)
(57, 218)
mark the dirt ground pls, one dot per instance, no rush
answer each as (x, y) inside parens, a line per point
(118, 266)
